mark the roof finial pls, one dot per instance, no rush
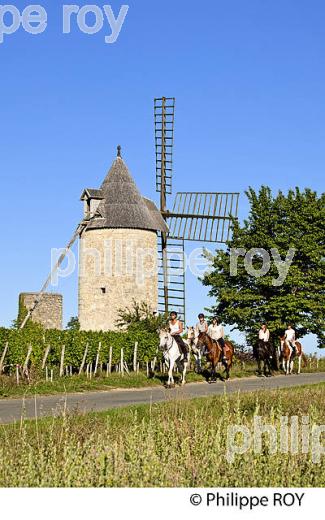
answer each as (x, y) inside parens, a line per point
(119, 148)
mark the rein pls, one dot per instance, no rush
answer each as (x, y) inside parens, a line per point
(167, 347)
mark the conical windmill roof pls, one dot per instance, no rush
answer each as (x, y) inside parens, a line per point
(122, 205)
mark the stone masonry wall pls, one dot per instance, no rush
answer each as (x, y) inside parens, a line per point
(115, 267)
(49, 311)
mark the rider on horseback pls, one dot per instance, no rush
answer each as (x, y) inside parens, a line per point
(264, 333)
(290, 337)
(217, 334)
(176, 329)
(201, 326)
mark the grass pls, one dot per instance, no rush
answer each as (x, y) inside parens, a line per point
(76, 383)
(174, 444)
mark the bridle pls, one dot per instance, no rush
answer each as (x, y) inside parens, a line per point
(201, 340)
(191, 337)
(166, 348)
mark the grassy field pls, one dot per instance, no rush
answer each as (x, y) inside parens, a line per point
(61, 385)
(174, 444)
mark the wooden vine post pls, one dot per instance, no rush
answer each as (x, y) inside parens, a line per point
(82, 366)
(62, 361)
(25, 366)
(109, 366)
(122, 361)
(135, 354)
(3, 357)
(47, 351)
(97, 358)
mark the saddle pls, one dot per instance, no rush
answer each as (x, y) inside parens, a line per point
(227, 349)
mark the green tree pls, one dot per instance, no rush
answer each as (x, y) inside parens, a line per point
(73, 323)
(139, 317)
(282, 222)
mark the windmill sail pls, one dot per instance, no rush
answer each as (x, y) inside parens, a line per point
(164, 139)
(199, 217)
(202, 217)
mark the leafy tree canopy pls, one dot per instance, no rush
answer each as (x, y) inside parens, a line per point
(280, 222)
(139, 317)
(73, 323)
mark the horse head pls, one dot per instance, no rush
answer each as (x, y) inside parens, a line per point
(191, 335)
(202, 339)
(164, 339)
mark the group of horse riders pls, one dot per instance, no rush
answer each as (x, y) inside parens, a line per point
(289, 335)
(215, 331)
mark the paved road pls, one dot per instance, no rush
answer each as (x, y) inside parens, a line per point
(12, 409)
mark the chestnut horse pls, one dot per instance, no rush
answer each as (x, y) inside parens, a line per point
(288, 356)
(214, 354)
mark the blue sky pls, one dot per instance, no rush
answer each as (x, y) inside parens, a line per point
(249, 82)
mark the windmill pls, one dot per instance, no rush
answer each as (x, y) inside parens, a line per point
(198, 217)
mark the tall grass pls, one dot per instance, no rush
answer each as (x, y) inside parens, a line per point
(177, 443)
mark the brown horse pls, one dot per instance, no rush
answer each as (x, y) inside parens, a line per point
(288, 356)
(214, 354)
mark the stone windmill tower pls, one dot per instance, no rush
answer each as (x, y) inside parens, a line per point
(118, 249)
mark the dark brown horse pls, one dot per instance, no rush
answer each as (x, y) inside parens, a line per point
(214, 354)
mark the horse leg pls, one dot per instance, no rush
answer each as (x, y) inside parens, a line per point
(288, 362)
(183, 381)
(182, 367)
(299, 364)
(265, 368)
(227, 370)
(259, 368)
(268, 373)
(199, 364)
(213, 372)
(170, 374)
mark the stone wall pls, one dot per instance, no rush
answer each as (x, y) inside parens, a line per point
(49, 311)
(115, 267)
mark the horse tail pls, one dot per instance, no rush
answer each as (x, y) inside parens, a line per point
(275, 363)
(232, 350)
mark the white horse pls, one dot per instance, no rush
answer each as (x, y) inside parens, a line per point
(192, 341)
(173, 356)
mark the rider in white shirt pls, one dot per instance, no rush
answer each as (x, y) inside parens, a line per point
(264, 333)
(217, 334)
(201, 326)
(290, 336)
(176, 329)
